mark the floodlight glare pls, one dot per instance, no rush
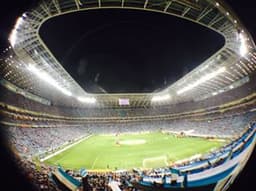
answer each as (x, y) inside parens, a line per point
(160, 98)
(47, 78)
(243, 45)
(201, 80)
(13, 36)
(86, 99)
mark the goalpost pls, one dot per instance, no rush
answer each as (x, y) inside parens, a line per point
(154, 162)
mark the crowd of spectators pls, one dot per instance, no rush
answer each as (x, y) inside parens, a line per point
(102, 181)
(226, 126)
(128, 180)
(208, 161)
(55, 128)
(35, 141)
(31, 141)
(37, 176)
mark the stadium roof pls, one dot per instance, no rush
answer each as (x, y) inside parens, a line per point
(39, 72)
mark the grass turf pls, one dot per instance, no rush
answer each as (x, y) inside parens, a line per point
(150, 150)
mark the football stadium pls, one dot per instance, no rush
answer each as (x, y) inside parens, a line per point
(194, 133)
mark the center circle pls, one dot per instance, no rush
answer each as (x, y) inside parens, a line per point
(133, 142)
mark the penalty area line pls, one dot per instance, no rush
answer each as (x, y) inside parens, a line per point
(94, 162)
(158, 159)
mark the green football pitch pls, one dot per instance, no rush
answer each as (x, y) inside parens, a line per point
(127, 151)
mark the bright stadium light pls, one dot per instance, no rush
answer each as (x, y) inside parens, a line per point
(13, 37)
(123, 101)
(243, 45)
(14, 33)
(47, 78)
(201, 80)
(86, 99)
(160, 98)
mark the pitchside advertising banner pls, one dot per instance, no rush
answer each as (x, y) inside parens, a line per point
(123, 101)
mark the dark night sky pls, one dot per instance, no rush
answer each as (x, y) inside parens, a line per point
(245, 9)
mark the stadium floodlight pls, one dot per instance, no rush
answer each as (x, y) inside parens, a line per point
(47, 78)
(87, 99)
(13, 37)
(123, 101)
(201, 80)
(243, 45)
(14, 33)
(159, 98)
(24, 15)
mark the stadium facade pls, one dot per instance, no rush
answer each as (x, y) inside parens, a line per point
(39, 93)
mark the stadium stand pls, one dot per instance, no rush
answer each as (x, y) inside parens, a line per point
(39, 120)
(33, 131)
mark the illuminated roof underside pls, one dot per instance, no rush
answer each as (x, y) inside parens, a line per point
(39, 72)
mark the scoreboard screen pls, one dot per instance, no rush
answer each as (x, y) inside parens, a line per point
(123, 101)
